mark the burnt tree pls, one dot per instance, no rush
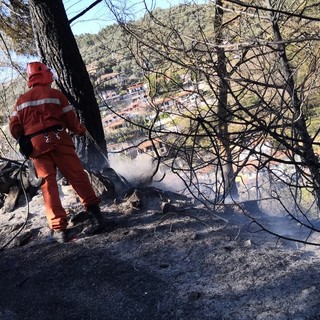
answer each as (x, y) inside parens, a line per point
(57, 46)
(223, 112)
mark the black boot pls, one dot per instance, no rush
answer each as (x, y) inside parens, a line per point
(97, 217)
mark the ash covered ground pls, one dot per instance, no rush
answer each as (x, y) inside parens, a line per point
(154, 261)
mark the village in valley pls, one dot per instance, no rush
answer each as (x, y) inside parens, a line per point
(128, 117)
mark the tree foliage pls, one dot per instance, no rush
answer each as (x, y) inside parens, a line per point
(269, 72)
(15, 26)
(253, 109)
(57, 48)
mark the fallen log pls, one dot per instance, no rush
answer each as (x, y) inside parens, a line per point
(14, 176)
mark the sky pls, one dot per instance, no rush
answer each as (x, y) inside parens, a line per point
(99, 16)
(96, 19)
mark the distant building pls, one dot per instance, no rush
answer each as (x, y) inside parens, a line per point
(164, 104)
(183, 97)
(110, 118)
(123, 148)
(109, 78)
(116, 125)
(136, 108)
(92, 67)
(147, 147)
(137, 87)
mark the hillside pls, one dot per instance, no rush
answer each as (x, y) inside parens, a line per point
(108, 51)
(179, 249)
(184, 263)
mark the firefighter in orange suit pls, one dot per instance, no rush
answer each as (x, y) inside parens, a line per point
(43, 114)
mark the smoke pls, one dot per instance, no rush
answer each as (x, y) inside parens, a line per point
(136, 171)
(268, 213)
(139, 172)
(170, 182)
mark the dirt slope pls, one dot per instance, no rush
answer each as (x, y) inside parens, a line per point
(155, 264)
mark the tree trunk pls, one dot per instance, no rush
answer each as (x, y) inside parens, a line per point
(300, 126)
(59, 50)
(230, 187)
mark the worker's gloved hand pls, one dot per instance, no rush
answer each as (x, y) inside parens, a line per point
(82, 130)
(25, 146)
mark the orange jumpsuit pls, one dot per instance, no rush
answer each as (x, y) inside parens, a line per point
(40, 108)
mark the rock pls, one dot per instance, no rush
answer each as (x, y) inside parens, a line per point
(115, 181)
(247, 243)
(11, 199)
(168, 207)
(23, 239)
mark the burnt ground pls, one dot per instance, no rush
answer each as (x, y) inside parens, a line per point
(179, 261)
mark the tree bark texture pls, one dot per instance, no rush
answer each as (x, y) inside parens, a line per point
(299, 124)
(58, 48)
(223, 112)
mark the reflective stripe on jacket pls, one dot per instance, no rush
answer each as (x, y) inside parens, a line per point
(40, 108)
